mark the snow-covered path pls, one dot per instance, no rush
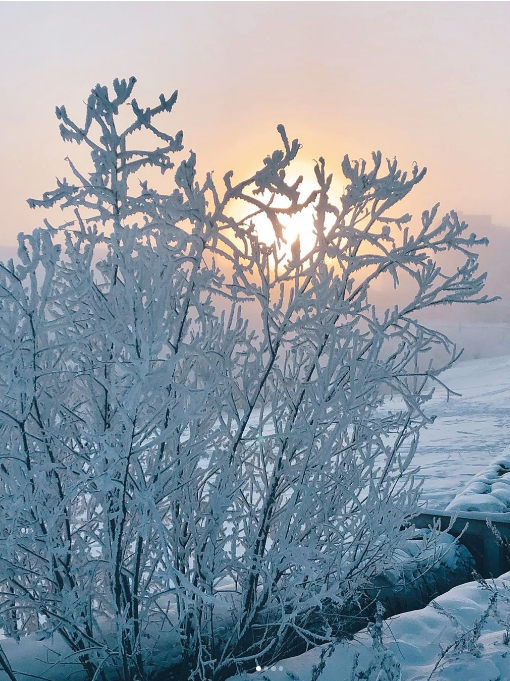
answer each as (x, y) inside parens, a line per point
(469, 430)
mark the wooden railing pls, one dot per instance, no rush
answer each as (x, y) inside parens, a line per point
(489, 547)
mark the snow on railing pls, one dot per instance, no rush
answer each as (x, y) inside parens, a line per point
(486, 535)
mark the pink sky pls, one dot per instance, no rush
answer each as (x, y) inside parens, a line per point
(421, 81)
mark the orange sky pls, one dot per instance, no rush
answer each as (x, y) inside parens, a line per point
(421, 81)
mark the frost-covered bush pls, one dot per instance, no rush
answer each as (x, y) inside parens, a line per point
(193, 438)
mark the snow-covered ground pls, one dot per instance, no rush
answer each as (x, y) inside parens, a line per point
(461, 636)
(469, 432)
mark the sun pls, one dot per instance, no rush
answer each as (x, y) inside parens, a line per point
(300, 225)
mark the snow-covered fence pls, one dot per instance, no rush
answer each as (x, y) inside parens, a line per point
(486, 535)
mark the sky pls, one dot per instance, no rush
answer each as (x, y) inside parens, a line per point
(425, 81)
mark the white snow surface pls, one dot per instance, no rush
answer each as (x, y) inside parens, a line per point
(49, 659)
(415, 642)
(469, 432)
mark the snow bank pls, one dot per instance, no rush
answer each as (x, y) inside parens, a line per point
(50, 659)
(489, 491)
(414, 642)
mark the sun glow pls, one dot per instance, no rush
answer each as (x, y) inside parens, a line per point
(301, 224)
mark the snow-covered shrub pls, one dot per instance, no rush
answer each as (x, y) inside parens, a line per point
(192, 437)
